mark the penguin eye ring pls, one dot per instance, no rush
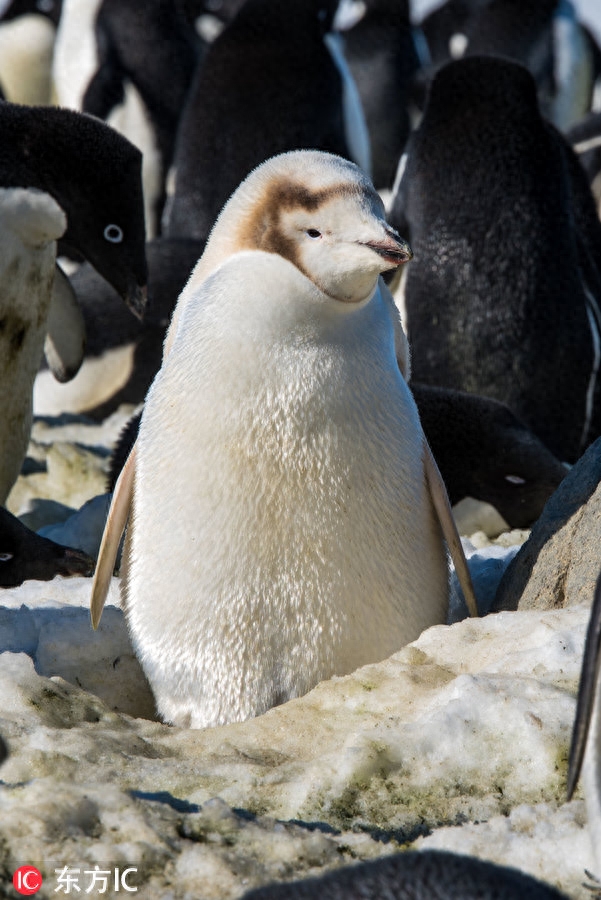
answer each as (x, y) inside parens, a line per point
(313, 233)
(113, 233)
(6, 557)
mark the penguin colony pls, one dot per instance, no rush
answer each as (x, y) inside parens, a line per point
(279, 430)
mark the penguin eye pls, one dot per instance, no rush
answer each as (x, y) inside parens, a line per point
(515, 479)
(6, 557)
(113, 234)
(313, 233)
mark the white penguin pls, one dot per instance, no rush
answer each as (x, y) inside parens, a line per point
(282, 529)
(38, 313)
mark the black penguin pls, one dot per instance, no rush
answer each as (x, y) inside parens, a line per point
(383, 60)
(413, 875)
(484, 451)
(503, 295)
(153, 46)
(93, 173)
(268, 84)
(25, 555)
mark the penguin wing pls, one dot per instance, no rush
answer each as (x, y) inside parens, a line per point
(589, 678)
(111, 537)
(66, 337)
(442, 506)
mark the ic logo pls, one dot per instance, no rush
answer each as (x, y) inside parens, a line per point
(27, 880)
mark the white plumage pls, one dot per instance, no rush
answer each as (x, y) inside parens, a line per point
(282, 529)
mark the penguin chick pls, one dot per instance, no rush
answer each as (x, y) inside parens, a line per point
(282, 444)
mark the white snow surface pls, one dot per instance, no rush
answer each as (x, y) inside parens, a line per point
(462, 737)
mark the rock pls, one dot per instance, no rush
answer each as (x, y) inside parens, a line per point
(559, 564)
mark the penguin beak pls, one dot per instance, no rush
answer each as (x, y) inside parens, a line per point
(393, 249)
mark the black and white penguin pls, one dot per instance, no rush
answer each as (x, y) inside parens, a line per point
(152, 46)
(27, 36)
(502, 298)
(268, 84)
(585, 749)
(38, 314)
(484, 451)
(415, 875)
(50, 9)
(546, 37)
(25, 555)
(122, 353)
(93, 173)
(383, 60)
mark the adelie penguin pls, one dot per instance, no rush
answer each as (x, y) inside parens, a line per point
(153, 47)
(383, 60)
(94, 174)
(268, 84)
(546, 37)
(281, 437)
(502, 298)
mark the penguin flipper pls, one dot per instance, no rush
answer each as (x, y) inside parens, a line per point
(66, 337)
(111, 538)
(440, 499)
(591, 665)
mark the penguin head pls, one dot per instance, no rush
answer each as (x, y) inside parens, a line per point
(338, 238)
(321, 213)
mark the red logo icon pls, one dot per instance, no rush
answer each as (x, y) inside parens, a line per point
(27, 880)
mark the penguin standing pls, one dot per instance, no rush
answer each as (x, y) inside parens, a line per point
(268, 84)
(282, 438)
(503, 296)
(152, 47)
(383, 60)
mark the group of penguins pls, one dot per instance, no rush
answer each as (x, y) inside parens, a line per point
(478, 128)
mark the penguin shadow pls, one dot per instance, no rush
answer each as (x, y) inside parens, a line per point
(101, 663)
